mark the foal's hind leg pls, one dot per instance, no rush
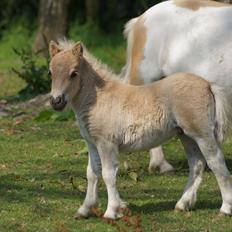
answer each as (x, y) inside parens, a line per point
(93, 174)
(196, 168)
(216, 162)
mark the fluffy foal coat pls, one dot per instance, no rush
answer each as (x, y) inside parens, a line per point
(113, 116)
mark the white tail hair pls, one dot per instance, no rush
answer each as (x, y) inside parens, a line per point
(223, 112)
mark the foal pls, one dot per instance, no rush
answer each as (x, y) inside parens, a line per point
(114, 116)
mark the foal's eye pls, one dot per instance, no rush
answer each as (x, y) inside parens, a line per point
(49, 73)
(73, 74)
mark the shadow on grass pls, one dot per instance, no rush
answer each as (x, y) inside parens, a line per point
(181, 165)
(24, 188)
(170, 205)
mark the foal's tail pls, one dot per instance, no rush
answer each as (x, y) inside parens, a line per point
(223, 112)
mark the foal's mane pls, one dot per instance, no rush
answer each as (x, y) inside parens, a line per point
(102, 69)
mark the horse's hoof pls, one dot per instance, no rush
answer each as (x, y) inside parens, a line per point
(169, 173)
(152, 169)
(167, 169)
(223, 214)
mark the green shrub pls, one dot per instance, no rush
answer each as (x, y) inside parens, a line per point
(33, 71)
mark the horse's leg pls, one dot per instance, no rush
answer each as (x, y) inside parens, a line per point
(196, 168)
(158, 161)
(108, 154)
(216, 162)
(93, 173)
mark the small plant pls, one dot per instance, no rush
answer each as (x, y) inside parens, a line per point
(33, 71)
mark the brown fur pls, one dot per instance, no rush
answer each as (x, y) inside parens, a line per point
(197, 4)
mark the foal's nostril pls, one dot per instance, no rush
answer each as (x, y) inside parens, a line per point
(58, 100)
(52, 100)
(58, 103)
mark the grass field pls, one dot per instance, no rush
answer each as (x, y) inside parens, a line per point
(42, 170)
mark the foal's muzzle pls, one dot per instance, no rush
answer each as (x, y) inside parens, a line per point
(58, 103)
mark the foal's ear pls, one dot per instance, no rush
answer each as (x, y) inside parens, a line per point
(53, 48)
(77, 50)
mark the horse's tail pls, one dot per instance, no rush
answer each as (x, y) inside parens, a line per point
(129, 36)
(223, 112)
(128, 27)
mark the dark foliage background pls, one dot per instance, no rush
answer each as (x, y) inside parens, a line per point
(109, 12)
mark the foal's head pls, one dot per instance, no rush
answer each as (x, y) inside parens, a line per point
(64, 70)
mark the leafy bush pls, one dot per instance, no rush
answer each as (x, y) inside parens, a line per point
(33, 71)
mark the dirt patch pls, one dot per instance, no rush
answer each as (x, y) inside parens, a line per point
(17, 110)
(37, 102)
(5, 109)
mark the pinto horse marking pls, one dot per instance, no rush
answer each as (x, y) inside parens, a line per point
(181, 36)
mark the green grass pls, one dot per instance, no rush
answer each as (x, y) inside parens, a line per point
(38, 160)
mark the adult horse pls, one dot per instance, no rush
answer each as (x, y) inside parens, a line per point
(180, 36)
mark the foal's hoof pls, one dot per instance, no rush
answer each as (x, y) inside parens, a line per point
(113, 215)
(82, 213)
(78, 216)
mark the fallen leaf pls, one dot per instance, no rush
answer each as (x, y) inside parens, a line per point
(83, 151)
(9, 132)
(18, 122)
(127, 165)
(3, 167)
(134, 176)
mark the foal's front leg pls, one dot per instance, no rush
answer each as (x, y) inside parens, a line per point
(93, 174)
(108, 154)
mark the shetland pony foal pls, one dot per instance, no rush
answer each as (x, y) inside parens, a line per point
(114, 116)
